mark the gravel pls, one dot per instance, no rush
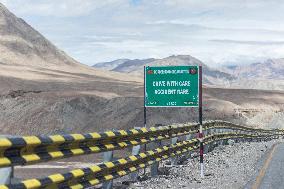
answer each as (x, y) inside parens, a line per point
(230, 167)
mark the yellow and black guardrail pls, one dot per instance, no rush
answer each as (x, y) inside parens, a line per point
(29, 150)
(228, 125)
(35, 149)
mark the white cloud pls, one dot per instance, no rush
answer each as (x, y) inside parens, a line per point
(228, 41)
(59, 8)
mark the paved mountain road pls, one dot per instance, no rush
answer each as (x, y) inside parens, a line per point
(271, 175)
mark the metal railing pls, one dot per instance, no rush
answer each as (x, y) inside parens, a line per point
(34, 149)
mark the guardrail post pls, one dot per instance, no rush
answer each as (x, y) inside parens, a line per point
(135, 151)
(155, 166)
(205, 132)
(219, 142)
(108, 156)
(174, 159)
(206, 146)
(210, 131)
(188, 137)
(12, 174)
(6, 175)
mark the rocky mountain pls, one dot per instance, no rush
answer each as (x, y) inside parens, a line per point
(21, 44)
(122, 65)
(135, 67)
(267, 75)
(43, 90)
(269, 69)
(131, 65)
(28, 55)
(110, 65)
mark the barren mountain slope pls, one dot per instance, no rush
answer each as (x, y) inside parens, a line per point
(34, 75)
(71, 112)
(26, 55)
(22, 45)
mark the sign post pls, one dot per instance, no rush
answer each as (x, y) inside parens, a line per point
(145, 109)
(145, 112)
(175, 86)
(201, 147)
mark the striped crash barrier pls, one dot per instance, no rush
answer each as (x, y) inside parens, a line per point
(94, 175)
(223, 136)
(35, 149)
(236, 127)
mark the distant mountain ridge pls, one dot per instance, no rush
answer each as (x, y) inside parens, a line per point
(269, 69)
(131, 65)
(110, 65)
(135, 67)
(268, 75)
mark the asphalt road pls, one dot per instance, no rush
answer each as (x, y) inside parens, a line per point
(271, 175)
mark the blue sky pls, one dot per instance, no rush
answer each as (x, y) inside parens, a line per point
(214, 31)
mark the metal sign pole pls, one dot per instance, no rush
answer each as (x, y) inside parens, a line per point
(200, 123)
(145, 110)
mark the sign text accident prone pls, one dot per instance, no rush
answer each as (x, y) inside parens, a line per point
(171, 86)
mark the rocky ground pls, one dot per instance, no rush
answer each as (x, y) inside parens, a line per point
(95, 108)
(228, 167)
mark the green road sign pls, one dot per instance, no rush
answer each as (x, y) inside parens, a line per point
(171, 86)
